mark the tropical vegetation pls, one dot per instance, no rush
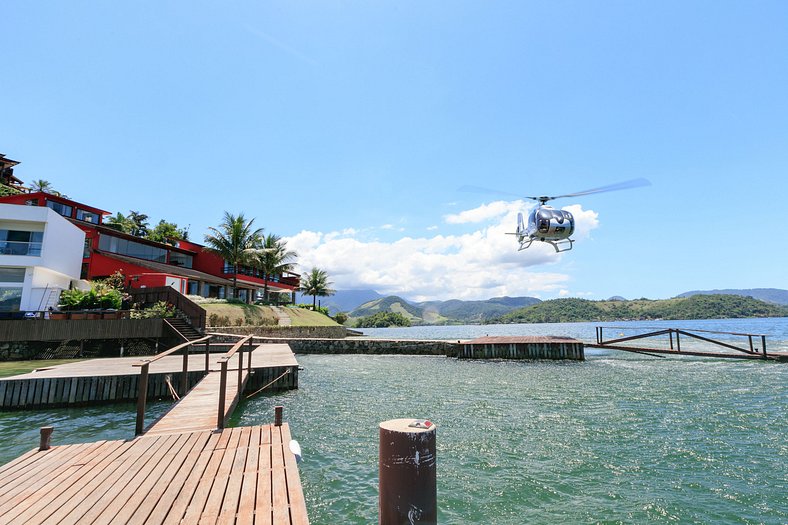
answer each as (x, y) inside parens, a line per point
(316, 284)
(694, 307)
(237, 241)
(274, 259)
(382, 320)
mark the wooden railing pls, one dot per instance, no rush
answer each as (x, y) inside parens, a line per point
(192, 310)
(223, 378)
(142, 385)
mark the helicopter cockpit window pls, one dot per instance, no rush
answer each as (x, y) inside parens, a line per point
(544, 225)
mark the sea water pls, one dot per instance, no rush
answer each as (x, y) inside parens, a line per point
(619, 438)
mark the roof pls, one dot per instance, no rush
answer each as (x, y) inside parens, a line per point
(65, 200)
(168, 268)
(109, 230)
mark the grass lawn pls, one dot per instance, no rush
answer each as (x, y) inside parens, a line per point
(303, 317)
(12, 368)
(255, 315)
(250, 314)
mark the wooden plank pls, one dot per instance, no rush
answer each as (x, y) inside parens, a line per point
(132, 487)
(150, 488)
(280, 503)
(203, 489)
(106, 504)
(232, 495)
(213, 503)
(169, 485)
(62, 491)
(46, 462)
(295, 492)
(174, 512)
(251, 472)
(263, 509)
(21, 497)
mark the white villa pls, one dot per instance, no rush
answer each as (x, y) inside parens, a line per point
(40, 256)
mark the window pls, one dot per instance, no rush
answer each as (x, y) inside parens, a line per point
(181, 259)
(86, 248)
(15, 242)
(87, 216)
(12, 275)
(132, 248)
(83, 274)
(62, 209)
(10, 299)
(31, 202)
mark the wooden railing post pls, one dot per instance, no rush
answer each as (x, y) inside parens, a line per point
(185, 371)
(251, 349)
(763, 346)
(222, 388)
(678, 341)
(142, 394)
(207, 356)
(240, 370)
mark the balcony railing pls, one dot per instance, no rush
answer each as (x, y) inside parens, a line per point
(20, 248)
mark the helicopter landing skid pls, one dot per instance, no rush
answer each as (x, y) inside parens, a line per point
(559, 244)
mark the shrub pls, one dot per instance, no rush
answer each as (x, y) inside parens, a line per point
(159, 310)
(239, 321)
(213, 319)
(341, 318)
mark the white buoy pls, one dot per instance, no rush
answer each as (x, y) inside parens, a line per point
(295, 448)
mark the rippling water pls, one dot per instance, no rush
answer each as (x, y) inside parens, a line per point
(615, 439)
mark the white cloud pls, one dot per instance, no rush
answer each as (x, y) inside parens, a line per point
(483, 212)
(476, 265)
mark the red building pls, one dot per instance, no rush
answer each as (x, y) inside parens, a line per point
(186, 266)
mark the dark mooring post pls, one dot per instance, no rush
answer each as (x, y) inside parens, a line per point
(407, 474)
(278, 410)
(46, 437)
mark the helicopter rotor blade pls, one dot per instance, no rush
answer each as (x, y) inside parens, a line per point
(480, 189)
(627, 184)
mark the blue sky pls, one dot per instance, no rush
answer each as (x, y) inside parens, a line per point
(348, 128)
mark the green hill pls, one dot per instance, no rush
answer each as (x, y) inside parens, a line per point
(393, 304)
(694, 307)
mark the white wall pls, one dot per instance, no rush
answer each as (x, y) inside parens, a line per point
(60, 261)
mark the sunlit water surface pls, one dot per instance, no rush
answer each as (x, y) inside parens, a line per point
(615, 439)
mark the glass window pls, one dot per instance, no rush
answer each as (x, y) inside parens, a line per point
(86, 248)
(17, 242)
(132, 249)
(87, 216)
(31, 202)
(10, 299)
(12, 275)
(181, 259)
(62, 209)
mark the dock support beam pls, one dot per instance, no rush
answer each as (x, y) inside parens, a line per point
(407, 474)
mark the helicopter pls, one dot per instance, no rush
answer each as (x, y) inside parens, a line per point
(547, 224)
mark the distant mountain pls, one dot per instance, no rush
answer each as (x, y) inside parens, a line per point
(342, 300)
(694, 307)
(617, 298)
(770, 295)
(444, 312)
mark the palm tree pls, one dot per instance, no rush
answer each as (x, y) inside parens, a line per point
(316, 283)
(274, 259)
(139, 222)
(42, 185)
(120, 222)
(236, 242)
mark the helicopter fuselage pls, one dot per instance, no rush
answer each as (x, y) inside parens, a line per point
(549, 225)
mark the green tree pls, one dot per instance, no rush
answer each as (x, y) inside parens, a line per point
(139, 223)
(316, 283)
(274, 259)
(42, 185)
(120, 222)
(166, 231)
(235, 241)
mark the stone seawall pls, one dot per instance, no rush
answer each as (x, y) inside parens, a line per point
(368, 346)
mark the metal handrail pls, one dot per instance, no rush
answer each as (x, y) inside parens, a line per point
(144, 365)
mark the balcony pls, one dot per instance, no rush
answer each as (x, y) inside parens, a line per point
(20, 248)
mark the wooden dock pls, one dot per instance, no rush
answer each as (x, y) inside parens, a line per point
(241, 475)
(523, 347)
(114, 379)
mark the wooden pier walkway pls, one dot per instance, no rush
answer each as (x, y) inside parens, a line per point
(243, 475)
